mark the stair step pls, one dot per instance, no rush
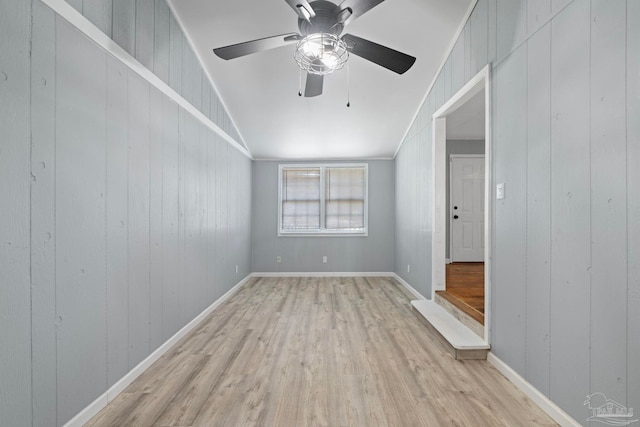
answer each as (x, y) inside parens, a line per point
(459, 339)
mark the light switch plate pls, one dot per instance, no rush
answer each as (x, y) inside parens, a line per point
(500, 191)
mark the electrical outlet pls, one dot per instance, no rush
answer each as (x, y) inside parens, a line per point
(408, 268)
(500, 191)
(278, 259)
(324, 259)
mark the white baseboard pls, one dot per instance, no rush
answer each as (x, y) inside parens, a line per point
(553, 410)
(96, 406)
(447, 260)
(410, 288)
(323, 274)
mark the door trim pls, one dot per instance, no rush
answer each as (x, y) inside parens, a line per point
(450, 219)
(481, 81)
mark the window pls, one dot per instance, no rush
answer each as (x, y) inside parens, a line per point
(322, 199)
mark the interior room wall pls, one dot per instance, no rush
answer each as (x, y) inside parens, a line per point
(123, 215)
(457, 146)
(566, 239)
(373, 253)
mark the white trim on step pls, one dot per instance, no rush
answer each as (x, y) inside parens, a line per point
(96, 406)
(553, 410)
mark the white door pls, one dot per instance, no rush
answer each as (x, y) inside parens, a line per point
(467, 209)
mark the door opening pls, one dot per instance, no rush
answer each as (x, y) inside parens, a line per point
(470, 238)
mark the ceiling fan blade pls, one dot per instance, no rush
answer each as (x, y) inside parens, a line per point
(254, 46)
(314, 84)
(384, 56)
(358, 7)
(302, 8)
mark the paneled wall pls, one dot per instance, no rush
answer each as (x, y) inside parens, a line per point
(304, 254)
(123, 216)
(149, 32)
(566, 239)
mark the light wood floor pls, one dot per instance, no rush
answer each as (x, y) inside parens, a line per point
(317, 352)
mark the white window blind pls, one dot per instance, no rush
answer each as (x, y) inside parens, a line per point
(301, 199)
(323, 199)
(344, 199)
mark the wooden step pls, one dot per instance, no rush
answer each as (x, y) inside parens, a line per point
(461, 311)
(461, 341)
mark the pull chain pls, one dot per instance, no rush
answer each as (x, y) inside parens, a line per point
(348, 86)
(299, 82)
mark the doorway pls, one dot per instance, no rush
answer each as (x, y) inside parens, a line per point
(471, 100)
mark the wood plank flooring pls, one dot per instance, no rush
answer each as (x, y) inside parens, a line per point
(317, 352)
(465, 288)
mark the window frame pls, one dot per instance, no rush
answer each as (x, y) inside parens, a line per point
(323, 231)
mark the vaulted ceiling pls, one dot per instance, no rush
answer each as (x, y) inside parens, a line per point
(261, 90)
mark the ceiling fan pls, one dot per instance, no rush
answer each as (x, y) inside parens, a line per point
(320, 50)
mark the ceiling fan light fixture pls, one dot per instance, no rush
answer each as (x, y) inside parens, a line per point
(321, 53)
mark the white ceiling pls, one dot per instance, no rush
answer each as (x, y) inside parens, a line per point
(261, 90)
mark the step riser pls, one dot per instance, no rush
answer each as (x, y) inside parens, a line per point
(463, 317)
(456, 338)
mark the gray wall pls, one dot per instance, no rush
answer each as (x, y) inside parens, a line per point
(123, 216)
(566, 239)
(304, 254)
(149, 32)
(457, 146)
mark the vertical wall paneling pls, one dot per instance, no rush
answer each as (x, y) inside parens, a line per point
(558, 5)
(478, 38)
(170, 218)
(15, 293)
(187, 71)
(117, 249)
(457, 68)
(161, 40)
(80, 220)
(633, 202)
(155, 219)
(206, 96)
(538, 12)
(139, 144)
(211, 217)
(76, 4)
(182, 288)
(466, 34)
(124, 25)
(145, 20)
(43, 285)
(222, 188)
(512, 26)
(263, 227)
(492, 32)
(189, 139)
(100, 13)
(102, 174)
(175, 54)
(567, 235)
(570, 208)
(510, 150)
(608, 200)
(538, 254)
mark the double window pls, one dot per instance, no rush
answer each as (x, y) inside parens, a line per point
(322, 199)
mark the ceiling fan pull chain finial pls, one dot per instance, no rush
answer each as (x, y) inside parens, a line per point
(348, 86)
(299, 82)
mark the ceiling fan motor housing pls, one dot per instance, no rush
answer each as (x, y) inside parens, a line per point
(325, 21)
